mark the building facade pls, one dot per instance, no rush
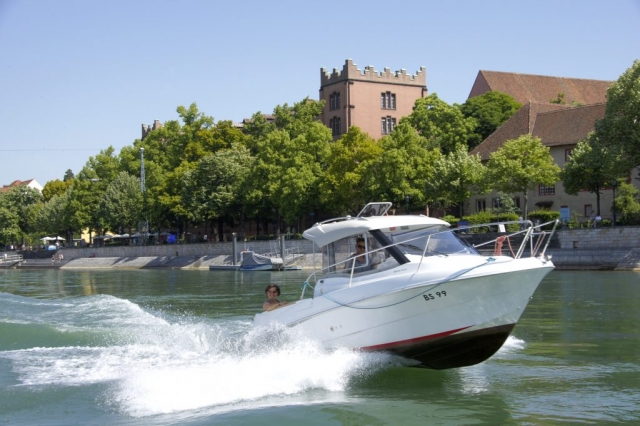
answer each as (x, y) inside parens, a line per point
(373, 101)
(561, 112)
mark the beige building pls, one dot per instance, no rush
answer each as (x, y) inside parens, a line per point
(373, 101)
(560, 126)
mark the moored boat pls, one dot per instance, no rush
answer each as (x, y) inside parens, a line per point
(409, 285)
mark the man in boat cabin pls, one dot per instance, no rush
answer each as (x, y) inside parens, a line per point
(361, 263)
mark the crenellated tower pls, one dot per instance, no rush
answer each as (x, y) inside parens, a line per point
(374, 101)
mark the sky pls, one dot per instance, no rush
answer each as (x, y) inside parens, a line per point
(77, 77)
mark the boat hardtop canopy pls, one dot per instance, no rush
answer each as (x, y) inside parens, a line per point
(336, 229)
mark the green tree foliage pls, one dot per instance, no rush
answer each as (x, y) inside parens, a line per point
(621, 124)
(456, 177)
(441, 124)
(404, 166)
(83, 205)
(521, 165)
(53, 217)
(350, 179)
(591, 166)
(490, 110)
(627, 204)
(104, 167)
(10, 232)
(212, 189)
(290, 156)
(23, 202)
(55, 187)
(121, 203)
(68, 175)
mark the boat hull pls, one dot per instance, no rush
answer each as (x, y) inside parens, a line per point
(441, 322)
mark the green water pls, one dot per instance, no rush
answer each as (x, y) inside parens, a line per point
(165, 347)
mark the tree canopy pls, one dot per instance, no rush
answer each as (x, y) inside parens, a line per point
(621, 124)
(522, 164)
(442, 125)
(490, 110)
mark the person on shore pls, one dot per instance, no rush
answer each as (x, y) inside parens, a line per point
(53, 259)
(272, 291)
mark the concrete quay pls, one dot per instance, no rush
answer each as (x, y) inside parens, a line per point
(614, 248)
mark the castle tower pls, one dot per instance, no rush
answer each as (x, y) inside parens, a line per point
(373, 101)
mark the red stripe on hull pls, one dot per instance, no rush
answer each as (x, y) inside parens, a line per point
(401, 343)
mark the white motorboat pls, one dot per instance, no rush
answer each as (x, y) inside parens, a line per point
(422, 292)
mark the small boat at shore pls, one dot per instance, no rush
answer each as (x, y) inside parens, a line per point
(415, 288)
(252, 261)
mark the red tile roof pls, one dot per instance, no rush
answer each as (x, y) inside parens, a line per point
(539, 88)
(521, 123)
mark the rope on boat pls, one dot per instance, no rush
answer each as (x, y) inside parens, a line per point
(456, 275)
(497, 251)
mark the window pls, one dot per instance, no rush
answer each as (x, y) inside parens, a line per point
(546, 190)
(567, 154)
(481, 205)
(388, 124)
(388, 100)
(588, 210)
(336, 126)
(334, 101)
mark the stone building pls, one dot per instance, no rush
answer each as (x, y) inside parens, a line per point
(560, 125)
(373, 101)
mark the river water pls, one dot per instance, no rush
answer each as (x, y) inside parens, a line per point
(169, 347)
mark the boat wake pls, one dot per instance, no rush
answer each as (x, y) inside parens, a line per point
(152, 363)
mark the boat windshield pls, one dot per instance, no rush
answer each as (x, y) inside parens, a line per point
(438, 240)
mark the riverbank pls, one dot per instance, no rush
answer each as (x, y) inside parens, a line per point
(563, 259)
(571, 249)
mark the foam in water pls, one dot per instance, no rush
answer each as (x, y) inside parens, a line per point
(156, 365)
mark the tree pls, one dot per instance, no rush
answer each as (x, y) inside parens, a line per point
(9, 227)
(520, 165)
(53, 218)
(212, 190)
(490, 110)
(405, 168)
(627, 204)
(620, 126)
(589, 167)
(456, 177)
(68, 175)
(441, 124)
(55, 187)
(348, 183)
(23, 202)
(121, 203)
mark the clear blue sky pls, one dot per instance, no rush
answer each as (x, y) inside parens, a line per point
(80, 76)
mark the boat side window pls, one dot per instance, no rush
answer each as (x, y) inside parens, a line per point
(431, 241)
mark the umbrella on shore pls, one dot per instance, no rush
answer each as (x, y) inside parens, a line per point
(52, 239)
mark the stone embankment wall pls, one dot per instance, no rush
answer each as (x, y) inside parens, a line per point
(595, 248)
(607, 248)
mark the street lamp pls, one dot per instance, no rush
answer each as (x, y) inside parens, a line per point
(407, 199)
(614, 184)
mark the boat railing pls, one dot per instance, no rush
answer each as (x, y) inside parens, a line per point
(533, 235)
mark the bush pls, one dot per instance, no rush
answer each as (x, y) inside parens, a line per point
(544, 216)
(452, 220)
(489, 216)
